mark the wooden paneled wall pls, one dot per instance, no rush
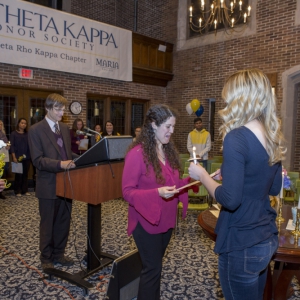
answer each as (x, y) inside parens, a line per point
(150, 65)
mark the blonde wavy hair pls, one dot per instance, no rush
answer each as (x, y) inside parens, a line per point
(248, 95)
(3, 129)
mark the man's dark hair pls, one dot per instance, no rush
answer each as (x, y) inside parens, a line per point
(55, 100)
(197, 120)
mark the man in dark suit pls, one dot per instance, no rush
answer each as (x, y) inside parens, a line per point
(50, 148)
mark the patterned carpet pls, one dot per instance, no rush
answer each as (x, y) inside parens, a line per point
(189, 269)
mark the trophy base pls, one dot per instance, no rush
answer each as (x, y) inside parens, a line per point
(280, 219)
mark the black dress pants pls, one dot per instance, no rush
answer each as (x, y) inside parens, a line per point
(152, 248)
(21, 180)
(54, 227)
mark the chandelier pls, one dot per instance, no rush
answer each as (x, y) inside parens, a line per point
(218, 15)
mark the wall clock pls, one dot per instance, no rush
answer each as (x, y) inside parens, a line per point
(75, 108)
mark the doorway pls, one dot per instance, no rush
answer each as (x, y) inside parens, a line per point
(16, 103)
(289, 114)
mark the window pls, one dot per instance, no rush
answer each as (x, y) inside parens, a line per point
(117, 116)
(57, 4)
(137, 113)
(197, 13)
(185, 42)
(95, 113)
(37, 110)
(20, 103)
(124, 113)
(8, 113)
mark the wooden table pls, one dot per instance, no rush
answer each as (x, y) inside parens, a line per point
(287, 256)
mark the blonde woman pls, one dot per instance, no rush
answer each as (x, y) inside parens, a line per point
(5, 140)
(2, 185)
(251, 171)
(75, 138)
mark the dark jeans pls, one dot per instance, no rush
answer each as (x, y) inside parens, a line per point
(54, 227)
(152, 248)
(5, 169)
(243, 273)
(21, 180)
(204, 164)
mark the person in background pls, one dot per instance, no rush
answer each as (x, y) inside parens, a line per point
(137, 132)
(50, 148)
(149, 184)
(109, 129)
(2, 185)
(247, 235)
(20, 154)
(75, 138)
(96, 138)
(5, 140)
(200, 139)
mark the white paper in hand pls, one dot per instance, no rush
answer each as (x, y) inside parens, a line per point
(17, 168)
(84, 144)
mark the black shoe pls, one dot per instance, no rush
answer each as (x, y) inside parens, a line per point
(47, 265)
(2, 196)
(64, 261)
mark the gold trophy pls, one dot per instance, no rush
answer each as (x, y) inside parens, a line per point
(296, 232)
(279, 218)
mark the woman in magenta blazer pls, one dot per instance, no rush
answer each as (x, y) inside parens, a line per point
(150, 183)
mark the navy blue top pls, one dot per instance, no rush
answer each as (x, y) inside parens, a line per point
(246, 217)
(19, 144)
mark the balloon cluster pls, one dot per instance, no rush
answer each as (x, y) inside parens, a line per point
(196, 107)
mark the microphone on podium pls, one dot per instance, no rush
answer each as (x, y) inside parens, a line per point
(79, 132)
(93, 131)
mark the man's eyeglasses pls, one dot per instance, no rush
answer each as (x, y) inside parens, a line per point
(60, 110)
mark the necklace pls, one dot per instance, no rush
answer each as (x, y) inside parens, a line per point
(163, 158)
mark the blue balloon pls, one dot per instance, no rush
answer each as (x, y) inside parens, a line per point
(199, 111)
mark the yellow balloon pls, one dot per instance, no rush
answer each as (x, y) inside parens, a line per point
(195, 104)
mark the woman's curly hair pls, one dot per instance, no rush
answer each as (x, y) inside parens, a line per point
(158, 114)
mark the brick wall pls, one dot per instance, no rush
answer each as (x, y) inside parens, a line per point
(102, 11)
(76, 87)
(155, 18)
(198, 73)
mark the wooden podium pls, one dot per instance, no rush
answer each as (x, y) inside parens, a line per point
(92, 184)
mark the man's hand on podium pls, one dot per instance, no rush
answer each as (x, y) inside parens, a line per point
(67, 164)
